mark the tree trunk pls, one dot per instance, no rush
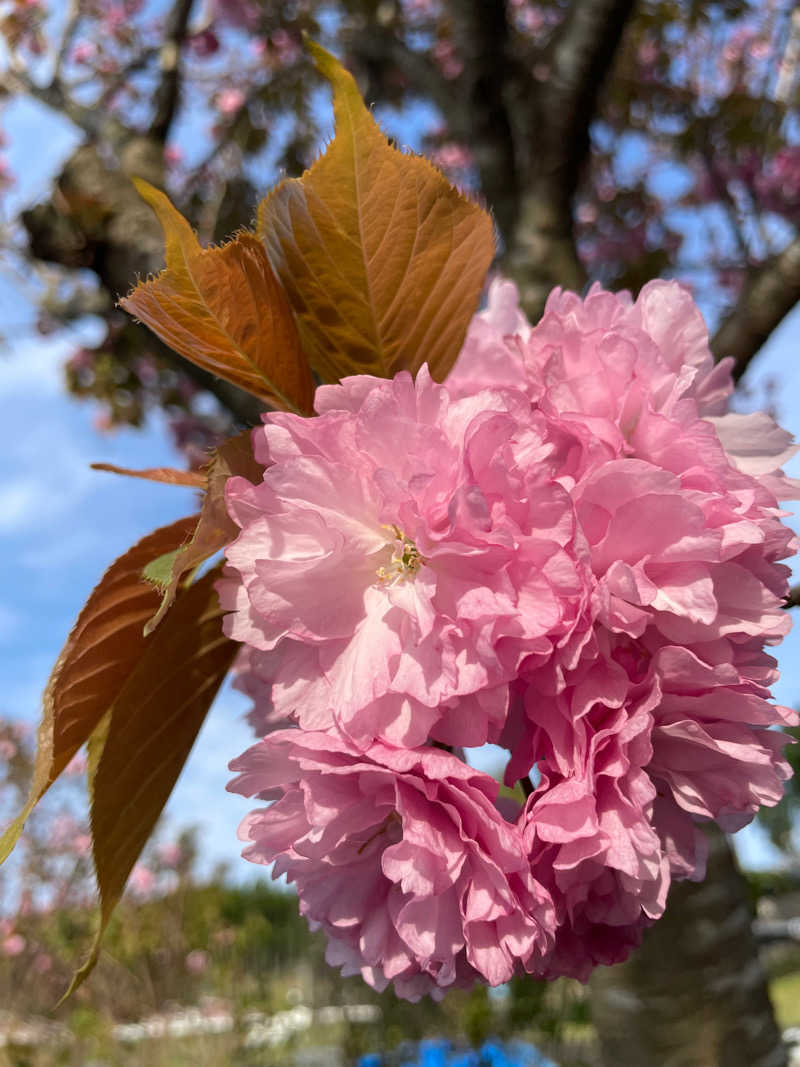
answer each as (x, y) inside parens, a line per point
(695, 993)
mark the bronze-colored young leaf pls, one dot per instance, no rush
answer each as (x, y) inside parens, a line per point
(100, 652)
(152, 726)
(215, 529)
(382, 258)
(224, 309)
(165, 475)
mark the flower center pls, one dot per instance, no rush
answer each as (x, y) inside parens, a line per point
(405, 560)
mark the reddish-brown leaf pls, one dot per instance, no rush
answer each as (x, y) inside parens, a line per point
(165, 475)
(224, 309)
(382, 258)
(152, 726)
(101, 651)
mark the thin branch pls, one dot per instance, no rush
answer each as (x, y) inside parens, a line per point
(226, 131)
(17, 82)
(792, 599)
(70, 28)
(167, 94)
(375, 49)
(770, 292)
(720, 186)
(121, 78)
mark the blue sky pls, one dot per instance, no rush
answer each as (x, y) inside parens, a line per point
(61, 524)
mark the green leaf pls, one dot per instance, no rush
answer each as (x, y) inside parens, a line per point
(159, 572)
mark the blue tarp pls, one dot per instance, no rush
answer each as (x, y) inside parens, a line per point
(442, 1054)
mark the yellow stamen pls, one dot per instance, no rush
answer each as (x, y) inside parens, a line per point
(405, 560)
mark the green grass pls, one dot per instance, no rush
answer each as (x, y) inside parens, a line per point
(785, 993)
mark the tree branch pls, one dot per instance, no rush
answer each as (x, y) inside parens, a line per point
(167, 95)
(476, 103)
(769, 294)
(561, 110)
(792, 599)
(581, 53)
(480, 33)
(17, 82)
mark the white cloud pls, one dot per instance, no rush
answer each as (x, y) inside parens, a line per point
(45, 488)
(36, 365)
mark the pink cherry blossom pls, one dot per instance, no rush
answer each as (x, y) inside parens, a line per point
(677, 501)
(82, 844)
(13, 945)
(142, 880)
(169, 854)
(197, 961)
(43, 963)
(205, 43)
(401, 856)
(83, 51)
(406, 551)
(452, 156)
(285, 48)
(491, 356)
(229, 101)
(173, 157)
(571, 548)
(8, 749)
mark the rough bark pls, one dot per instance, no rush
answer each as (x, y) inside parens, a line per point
(489, 81)
(479, 104)
(694, 994)
(542, 251)
(526, 123)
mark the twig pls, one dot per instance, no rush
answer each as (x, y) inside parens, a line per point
(70, 26)
(167, 94)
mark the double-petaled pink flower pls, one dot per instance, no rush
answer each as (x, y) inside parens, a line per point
(404, 552)
(402, 857)
(569, 548)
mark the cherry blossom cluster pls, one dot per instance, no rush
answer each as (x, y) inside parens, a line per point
(570, 549)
